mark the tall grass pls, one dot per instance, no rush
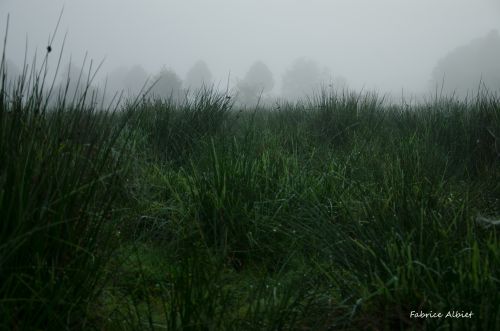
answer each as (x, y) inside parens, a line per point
(370, 208)
(61, 168)
(338, 212)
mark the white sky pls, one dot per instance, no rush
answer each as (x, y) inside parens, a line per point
(384, 44)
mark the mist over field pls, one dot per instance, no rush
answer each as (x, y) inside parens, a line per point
(392, 46)
(250, 165)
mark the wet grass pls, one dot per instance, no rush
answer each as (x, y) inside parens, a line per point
(339, 212)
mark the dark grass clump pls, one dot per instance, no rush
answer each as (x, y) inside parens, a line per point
(61, 166)
(175, 128)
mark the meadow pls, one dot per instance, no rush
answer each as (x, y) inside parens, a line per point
(338, 212)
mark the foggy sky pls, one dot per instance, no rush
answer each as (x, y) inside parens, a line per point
(386, 45)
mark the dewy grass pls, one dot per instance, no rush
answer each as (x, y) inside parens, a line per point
(60, 168)
(339, 212)
(381, 209)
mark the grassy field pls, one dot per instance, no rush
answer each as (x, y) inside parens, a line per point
(336, 213)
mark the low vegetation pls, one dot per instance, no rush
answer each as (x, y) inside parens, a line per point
(339, 212)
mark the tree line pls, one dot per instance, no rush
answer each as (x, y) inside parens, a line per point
(460, 72)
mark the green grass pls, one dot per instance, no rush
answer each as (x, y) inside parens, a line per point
(338, 212)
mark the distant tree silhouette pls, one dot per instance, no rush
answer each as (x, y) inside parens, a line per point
(257, 82)
(462, 69)
(198, 76)
(301, 79)
(306, 77)
(167, 85)
(130, 81)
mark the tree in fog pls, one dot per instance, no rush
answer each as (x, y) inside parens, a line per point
(130, 81)
(167, 85)
(301, 79)
(258, 82)
(198, 76)
(462, 70)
